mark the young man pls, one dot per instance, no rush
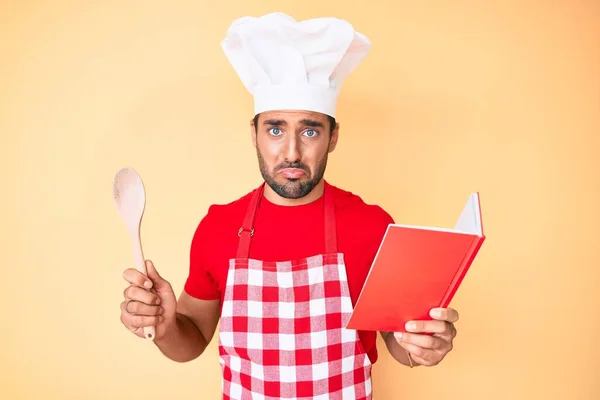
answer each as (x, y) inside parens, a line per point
(282, 266)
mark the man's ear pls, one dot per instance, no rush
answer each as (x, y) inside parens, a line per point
(334, 137)
(253, 132)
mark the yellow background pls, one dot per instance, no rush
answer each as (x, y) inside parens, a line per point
(456, 96)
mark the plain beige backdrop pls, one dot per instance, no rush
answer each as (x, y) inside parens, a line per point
(457, 96)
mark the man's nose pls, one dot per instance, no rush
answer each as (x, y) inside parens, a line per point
(292, 150)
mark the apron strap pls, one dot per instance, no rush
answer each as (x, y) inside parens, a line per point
(330, 225)
(247, 230)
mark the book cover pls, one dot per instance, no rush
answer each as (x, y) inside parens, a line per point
(417, 268)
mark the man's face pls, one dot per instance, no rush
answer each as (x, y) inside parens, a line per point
(292, 149)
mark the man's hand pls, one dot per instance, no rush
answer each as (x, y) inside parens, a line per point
(429, 349)
(149, 301)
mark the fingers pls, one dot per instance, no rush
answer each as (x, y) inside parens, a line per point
(429, 341)
(444, 314)
(423, 341)
(135, 277)
(137, 308)
(153, 273)
(159, 283)
(151, 269)
(141, 307)
(136, 315)
(141, 321)
(424, 326)
(422, 356)
(133, 321)
(141, 295)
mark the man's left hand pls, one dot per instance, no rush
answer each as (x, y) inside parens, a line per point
(430, 349)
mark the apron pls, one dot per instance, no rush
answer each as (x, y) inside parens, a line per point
(282, 332)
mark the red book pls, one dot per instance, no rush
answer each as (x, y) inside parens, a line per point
(416, 269)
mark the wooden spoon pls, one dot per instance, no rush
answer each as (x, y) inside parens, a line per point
(130, 198)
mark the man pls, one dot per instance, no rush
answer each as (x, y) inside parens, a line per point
(282, 266)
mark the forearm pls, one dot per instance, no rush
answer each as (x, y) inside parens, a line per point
(183, 341)
(397, 352)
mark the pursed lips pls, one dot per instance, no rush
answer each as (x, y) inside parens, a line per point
(292, 173)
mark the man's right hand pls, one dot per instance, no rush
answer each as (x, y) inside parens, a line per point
(149, 301)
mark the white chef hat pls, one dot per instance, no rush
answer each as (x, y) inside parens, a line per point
(294, 65)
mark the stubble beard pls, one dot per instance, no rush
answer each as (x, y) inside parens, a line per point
(293, 188)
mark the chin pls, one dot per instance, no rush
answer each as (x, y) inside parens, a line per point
(292, 188)
(294, 180)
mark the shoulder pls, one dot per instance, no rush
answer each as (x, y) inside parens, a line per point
(353, 206)
(222, 216)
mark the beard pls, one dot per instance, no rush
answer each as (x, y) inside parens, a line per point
(293, 188)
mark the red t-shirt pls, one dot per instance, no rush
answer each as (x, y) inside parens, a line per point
(286, 233)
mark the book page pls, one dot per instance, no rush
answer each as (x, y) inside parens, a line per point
(469, 221)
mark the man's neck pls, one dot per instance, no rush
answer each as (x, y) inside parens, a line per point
(315, 194)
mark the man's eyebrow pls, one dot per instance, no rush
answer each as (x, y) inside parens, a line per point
(274, 122)
(312, 123)
(306, 122)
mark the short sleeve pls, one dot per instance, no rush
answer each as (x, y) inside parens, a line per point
(387, 218)
(379, 221)
(200, 283)
(384, 219)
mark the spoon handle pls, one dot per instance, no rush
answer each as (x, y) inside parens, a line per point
(140, 264)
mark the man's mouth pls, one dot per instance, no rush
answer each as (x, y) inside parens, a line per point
(292, 173)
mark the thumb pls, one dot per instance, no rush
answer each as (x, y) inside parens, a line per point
(158, 281)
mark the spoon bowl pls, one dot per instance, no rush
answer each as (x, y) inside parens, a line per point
(130, 198)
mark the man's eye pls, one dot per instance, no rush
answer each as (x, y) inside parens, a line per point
(311, 133)
(275, 131)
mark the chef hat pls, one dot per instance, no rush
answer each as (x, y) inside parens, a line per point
(294, 65)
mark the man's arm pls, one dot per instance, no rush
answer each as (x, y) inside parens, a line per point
(192, 330)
